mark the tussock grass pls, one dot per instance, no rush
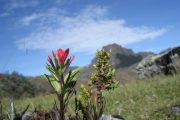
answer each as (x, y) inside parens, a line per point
(147, 99)
(40, 102)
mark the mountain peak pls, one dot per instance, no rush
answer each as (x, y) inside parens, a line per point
(115, 48)
(121, 57)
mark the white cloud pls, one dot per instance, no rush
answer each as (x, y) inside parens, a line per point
(13, 4)
(16, 4)
(28, 19)
(86, 31)
(4, 14)
(52, 15)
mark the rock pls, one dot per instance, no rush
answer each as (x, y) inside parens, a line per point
(27, 116)
(111, 117)
(175, 110)
(167, 62)
(147, 67)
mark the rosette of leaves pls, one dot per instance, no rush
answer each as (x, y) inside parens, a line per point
(88, 104)
(63, 84)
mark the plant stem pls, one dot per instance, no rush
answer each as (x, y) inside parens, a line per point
(61, 112)
(61, 100)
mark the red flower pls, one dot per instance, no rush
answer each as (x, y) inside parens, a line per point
(62, 55)
(54, 54)
(50, 59)
(71, 59)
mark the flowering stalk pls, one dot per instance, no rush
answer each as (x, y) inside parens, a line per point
(63, 85)
(91, 98)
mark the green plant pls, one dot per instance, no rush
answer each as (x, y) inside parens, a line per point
(1, 114)
(16, 86)
(63, 85)
(91, 99)
(13, 115)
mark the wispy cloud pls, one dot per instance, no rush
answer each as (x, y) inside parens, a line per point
(28, 19)
(52, 15)
(85, 31)
(15, 4)
(4, 14)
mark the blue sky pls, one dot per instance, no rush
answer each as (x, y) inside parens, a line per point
(31, 29)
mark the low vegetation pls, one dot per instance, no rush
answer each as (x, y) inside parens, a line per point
(17, 86)
(148, 99)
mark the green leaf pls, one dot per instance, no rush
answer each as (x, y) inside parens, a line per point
(71, 75)
(53, 82)
(56, 63)
(13, 114)
(113, 71)
(48, 67)
(69, 86)
(44, 77)
(53, 72)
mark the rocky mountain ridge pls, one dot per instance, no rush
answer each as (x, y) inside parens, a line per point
(124, 60)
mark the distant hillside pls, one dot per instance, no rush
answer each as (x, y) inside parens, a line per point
(122, 59)
(16, 85)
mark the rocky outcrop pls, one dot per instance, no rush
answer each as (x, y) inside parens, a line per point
(122, 57)
(167, 62)
(124, 60)
(111, 117)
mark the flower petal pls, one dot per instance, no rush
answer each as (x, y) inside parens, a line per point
(54, 54)
(49, 59)
(60, 54)
(65, 54)
(71, 59)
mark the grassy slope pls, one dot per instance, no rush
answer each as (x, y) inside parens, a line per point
(134, 101)
(139, 100)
